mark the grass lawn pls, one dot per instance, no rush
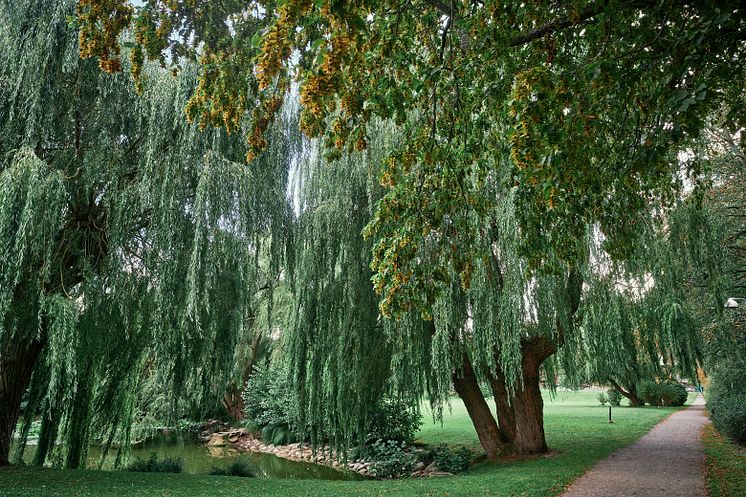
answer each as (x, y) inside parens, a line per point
(577, 433)
(725, 463)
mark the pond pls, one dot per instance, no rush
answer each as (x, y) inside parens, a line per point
(198, 458)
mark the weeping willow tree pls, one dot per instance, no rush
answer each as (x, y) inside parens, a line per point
(345, 356)
(639, 319)
(340, 355)
(512, 329)
(129, 239)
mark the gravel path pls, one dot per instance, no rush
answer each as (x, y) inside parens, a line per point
(668, 461)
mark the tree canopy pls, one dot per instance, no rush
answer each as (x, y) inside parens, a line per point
(586, 104)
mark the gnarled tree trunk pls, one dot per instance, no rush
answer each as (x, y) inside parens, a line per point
(466, 385)
(505, 410)
(17, 360)
(527, 401)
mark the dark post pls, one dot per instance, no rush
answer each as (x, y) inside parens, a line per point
(610, 421)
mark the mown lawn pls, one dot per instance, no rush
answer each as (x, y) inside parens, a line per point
(726, 465)
(577, 432)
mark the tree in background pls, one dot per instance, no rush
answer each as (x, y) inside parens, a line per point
(643, 315)
(128, 238)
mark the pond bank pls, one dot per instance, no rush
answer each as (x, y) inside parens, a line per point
(303, 453)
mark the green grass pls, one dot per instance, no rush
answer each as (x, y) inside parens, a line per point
(577, 432)
(725, 463)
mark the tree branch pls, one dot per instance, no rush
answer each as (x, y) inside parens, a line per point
(556, 25)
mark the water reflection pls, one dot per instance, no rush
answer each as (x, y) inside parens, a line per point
(199, 458)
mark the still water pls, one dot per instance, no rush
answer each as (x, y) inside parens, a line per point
(198, 458)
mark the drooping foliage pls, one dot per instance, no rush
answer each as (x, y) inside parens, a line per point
(592, 101)
(340, 354)
(129, 239)
(638, 322)
(719, 273)
(491, 138)
(346, 356)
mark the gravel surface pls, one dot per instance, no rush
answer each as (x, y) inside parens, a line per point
(668, 461)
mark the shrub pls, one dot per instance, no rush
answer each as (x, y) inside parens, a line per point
(239, 467)
(662, 394)
(270, 405)
(726, 361)
(602, 398)
(614, 397)
(452, 461)
(393, 420)
(673, 394)
(727, 408)
(390, 459)
(154, 465)
(277, 434)
(650, 393)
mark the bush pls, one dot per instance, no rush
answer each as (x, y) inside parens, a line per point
(277, 434)
(662, 394)
(726, 365)
(614, 397)
(649, 392)
(602, 398)
(390, 459)
(674, 394)
(452, 461)
(239, 467)
(154, 465)
(270, 405)
(728, 411)
(393, 420)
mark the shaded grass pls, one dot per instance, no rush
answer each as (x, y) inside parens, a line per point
(577, 432)
(725, 464)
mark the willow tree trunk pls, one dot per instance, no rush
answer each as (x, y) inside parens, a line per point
(466, 385)
(505, 410)
(233, 399)
(630, 393)
(17, 361)
(529, 407)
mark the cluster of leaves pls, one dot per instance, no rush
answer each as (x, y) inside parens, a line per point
(452, 461)
(390, 458)
(610, 396)
(726, 398)
(271, 405)
(727, 405)
(394, 420)
(614, 397)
